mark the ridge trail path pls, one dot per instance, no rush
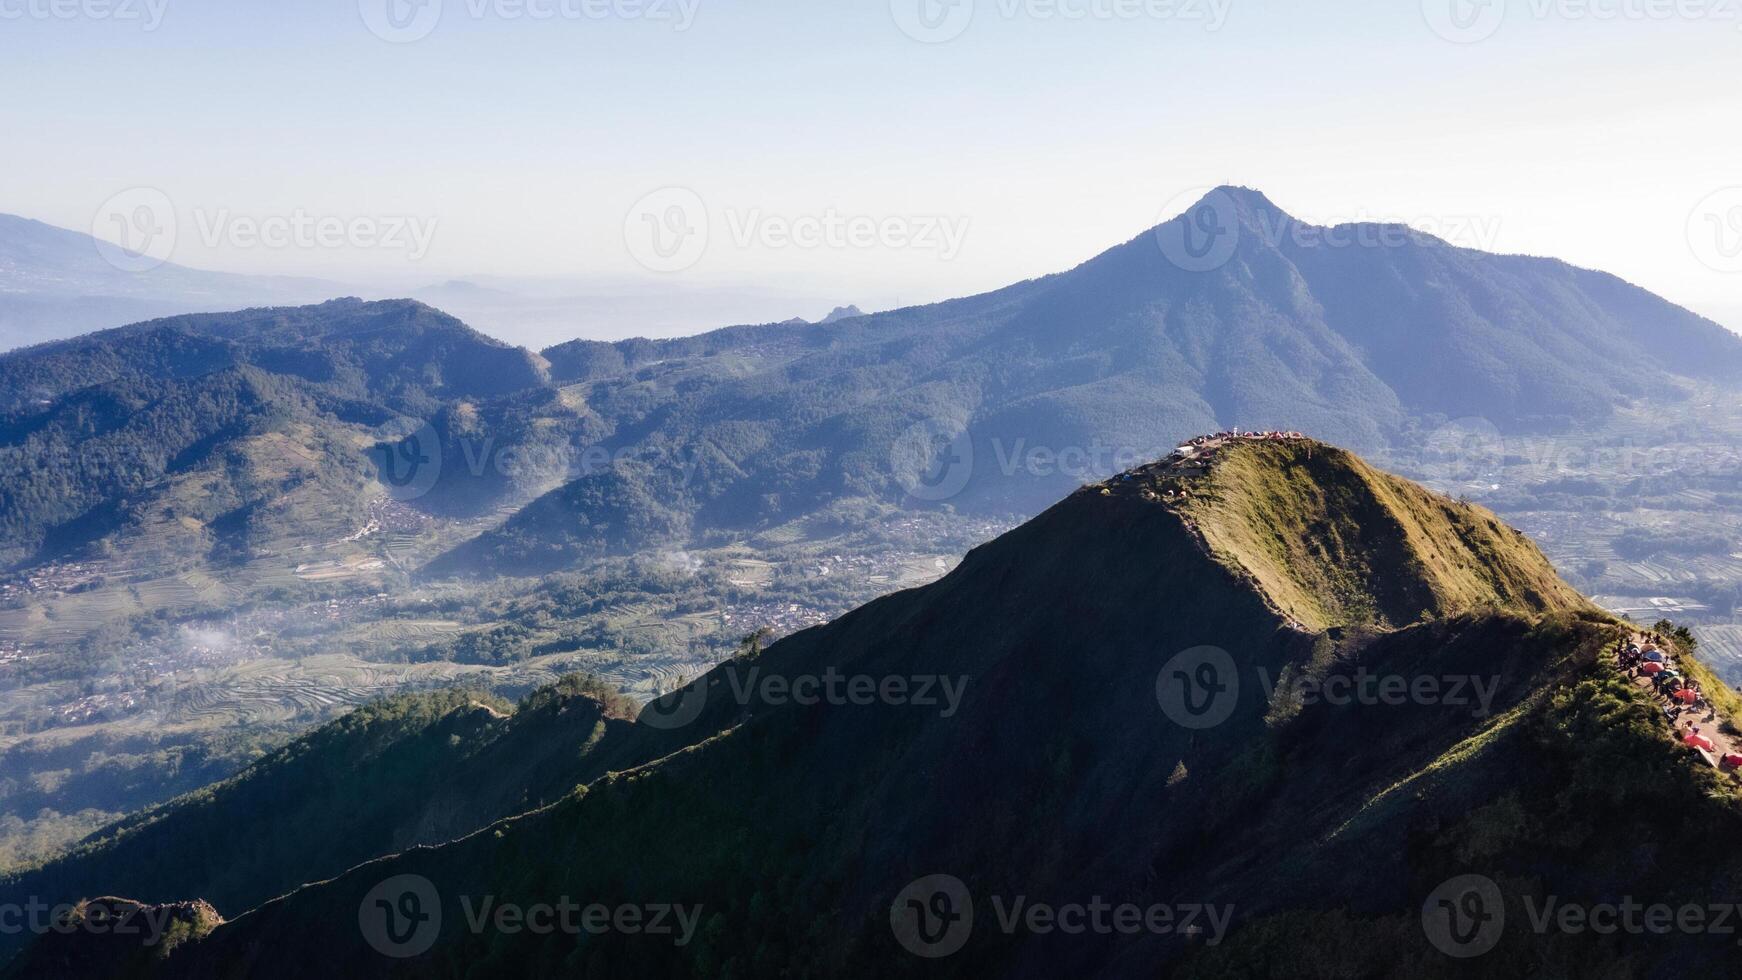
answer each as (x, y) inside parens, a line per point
(1722, 744)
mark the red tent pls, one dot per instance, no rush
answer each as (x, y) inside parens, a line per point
(1698, 741)
(1733, 761)
(1650, 668)
(1685, 696)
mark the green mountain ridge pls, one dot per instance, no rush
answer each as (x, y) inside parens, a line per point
(409, 771)
(1060, 772)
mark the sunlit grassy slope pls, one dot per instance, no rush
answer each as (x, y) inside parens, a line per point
(1330, 541)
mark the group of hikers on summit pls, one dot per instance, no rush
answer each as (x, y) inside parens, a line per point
(1683, 701)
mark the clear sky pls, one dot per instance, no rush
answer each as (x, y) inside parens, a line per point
(1013, 138)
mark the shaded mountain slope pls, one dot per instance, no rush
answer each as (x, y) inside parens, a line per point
(412, 770)
(1059, 772)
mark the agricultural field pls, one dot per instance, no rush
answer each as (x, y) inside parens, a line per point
(1721, 646)
(173, 672)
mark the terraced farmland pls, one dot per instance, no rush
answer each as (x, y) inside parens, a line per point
(1721, 646)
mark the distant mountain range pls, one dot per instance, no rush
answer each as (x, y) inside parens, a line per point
(1127, 701)
(55, 283)
(1036, 387)
(1367, 335)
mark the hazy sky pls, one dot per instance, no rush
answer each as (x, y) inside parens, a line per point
(828, 150)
